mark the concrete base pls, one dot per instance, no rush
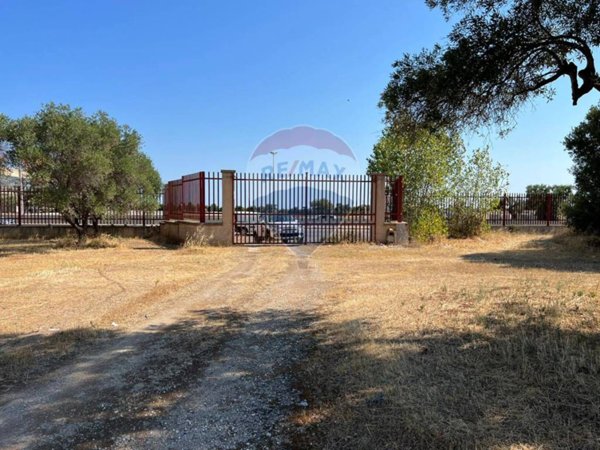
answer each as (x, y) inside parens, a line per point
(397, 233)
(56, 231)
(203, 233)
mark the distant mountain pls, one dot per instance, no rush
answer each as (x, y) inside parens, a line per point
(300, 196)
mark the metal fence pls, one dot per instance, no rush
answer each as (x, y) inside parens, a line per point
(194, 197)
(24, 206)
(516, 209)
(294, 208)
(522, 209)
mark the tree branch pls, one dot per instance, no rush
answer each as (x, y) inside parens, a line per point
(557, 74)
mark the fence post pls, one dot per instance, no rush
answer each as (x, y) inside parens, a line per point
(378, 206)
(228, 208)
(19, 205)
(306, 205)
(504, 201)
(202, 191)
(167, 202)
(171, 200)
(548, 208)
(181, 212)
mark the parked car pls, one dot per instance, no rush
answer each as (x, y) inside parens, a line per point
(285, 227)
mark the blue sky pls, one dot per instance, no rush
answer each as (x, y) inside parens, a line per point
(205, 81)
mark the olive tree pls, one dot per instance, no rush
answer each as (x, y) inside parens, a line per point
(499, 55)
(81, 165)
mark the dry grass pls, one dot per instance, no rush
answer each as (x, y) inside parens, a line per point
(45, 287)
(488, 343)
(101, 241)
(57, 300)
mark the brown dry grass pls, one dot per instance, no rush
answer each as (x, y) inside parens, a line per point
(47, 286)
(57, 300)
(488, 343)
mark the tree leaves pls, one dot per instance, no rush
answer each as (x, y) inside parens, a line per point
(499, 55)
(83, 165)
(436, 167)
(583, 144)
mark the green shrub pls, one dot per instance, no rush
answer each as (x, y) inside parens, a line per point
(428, 225)
(466, 221)
(583, 215)
(582, 144)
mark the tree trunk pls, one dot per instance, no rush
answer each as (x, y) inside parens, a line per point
(82, 237)
(96, 226)
(80, 228)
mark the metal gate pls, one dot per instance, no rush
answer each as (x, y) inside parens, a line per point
(303, 209)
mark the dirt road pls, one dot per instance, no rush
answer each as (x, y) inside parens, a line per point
(214, 372)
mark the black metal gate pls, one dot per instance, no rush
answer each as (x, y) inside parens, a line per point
(303, 209)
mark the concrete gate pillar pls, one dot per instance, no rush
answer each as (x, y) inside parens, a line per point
(378, 204)
(228, 207)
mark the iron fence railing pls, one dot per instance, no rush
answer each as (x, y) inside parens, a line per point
(515, 209)
(194, 197)
(534, 209)
(24, 206)
(305, 208)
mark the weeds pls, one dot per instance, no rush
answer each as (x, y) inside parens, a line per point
(198, 239)
(96, 242)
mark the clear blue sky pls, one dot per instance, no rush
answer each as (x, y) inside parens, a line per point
(205, 81)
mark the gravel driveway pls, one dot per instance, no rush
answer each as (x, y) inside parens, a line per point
(209, 375)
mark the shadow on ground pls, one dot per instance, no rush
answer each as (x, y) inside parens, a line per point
(551, 254)
(11, 247)
(22, 247)
(520, 382)
(117, 384)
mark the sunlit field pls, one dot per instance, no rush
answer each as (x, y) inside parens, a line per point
(489, 343)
